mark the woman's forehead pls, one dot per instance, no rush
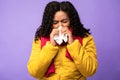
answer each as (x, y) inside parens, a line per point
(60, 15)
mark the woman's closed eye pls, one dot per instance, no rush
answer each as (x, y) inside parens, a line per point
(64, 20)
(55, 22)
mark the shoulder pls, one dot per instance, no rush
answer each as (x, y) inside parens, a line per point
(88, 38)
(36, 43)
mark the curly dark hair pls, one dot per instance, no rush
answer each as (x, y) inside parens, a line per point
(52, 7)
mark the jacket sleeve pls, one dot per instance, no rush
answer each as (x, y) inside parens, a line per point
(40, 59)
(84, 56)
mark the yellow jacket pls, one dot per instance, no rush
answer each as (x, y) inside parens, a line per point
(84, 62)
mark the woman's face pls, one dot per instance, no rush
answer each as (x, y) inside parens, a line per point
(61, 19)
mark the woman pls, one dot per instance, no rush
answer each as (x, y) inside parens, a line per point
(74, 60)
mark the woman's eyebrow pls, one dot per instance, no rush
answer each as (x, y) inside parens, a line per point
(61, 20)
(55, 20)
(65, 19)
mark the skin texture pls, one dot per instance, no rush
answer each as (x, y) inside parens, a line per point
(61, 19)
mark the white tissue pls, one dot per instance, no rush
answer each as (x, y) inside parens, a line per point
(61, 37)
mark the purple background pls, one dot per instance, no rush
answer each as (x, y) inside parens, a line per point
(19, 20)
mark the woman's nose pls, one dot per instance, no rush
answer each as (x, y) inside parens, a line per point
(60, 24)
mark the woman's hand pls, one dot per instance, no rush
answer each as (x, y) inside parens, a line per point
(52, 34)
(66, 30)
